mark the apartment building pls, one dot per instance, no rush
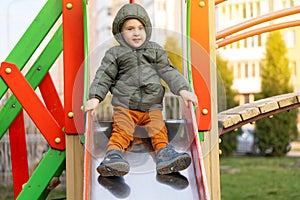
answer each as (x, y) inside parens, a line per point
(245, 56)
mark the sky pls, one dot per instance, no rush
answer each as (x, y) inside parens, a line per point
(15, 17)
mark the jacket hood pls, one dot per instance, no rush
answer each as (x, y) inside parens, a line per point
(131, 11)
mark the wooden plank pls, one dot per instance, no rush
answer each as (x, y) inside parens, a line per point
(298, 97)
(228, 120)
(246, 111)
(266, 106)
(287, 101)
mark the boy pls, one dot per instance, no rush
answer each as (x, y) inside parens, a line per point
(132, 72)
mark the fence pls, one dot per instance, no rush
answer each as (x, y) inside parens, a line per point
(36, 145)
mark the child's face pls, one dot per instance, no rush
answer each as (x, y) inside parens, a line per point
(133, 32)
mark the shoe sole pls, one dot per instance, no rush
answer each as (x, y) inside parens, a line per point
(114, 169)
(174, 165)
(175, 180)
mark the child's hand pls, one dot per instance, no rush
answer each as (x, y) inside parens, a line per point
(91, 104)
(188, 97)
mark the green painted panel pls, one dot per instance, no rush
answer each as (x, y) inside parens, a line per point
(86, 52)
(34, 76)
(86, 63)
(51, 165)
(188, 43)
(33, 36)
(189, 64)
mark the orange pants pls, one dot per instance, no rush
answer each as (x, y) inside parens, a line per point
(124, 122)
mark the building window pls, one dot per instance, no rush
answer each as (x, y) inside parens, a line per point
(293, 66)
(230, 11)
(239, 71)
(230, 67)
(246, 98)
(161, 6)
(284, 4)
(237, 10)
(251, 9)
(245, 43)
(292, 3)
(253, 70)
(246, 70)
(244, 11)
(252, 41)
(258, 8)
(238, 45)
(224, 10)
(109, 11)
(260, 69)
(290, 38)
(259, 40)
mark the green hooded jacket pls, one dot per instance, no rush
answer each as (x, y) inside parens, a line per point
(133, 74)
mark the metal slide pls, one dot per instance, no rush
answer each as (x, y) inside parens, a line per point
(142, 182)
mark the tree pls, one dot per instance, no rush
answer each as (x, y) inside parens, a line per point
(275, 134)
(224, 83)
(174, 52)
(226, 100)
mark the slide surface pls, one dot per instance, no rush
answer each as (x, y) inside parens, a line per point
(142, 182)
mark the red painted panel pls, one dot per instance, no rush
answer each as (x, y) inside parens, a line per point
(73, 65)
(42, 118)
(200, 58)
(18, 151)
(51, 99)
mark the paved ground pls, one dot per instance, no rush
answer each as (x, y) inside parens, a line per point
(295, 151)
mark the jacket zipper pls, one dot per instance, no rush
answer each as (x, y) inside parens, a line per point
(139, 78)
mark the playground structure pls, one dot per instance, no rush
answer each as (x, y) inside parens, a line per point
(61, 125)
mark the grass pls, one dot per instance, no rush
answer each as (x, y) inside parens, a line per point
(260, 178)
(6, 193)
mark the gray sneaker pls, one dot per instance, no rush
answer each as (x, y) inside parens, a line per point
(168, 160)
(113, 164)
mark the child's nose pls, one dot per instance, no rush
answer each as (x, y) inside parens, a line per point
(136, 32)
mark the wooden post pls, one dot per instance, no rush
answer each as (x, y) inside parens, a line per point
(73, 42)
(202, 34)
(212, 141)
(74, 167)
(212, 160)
